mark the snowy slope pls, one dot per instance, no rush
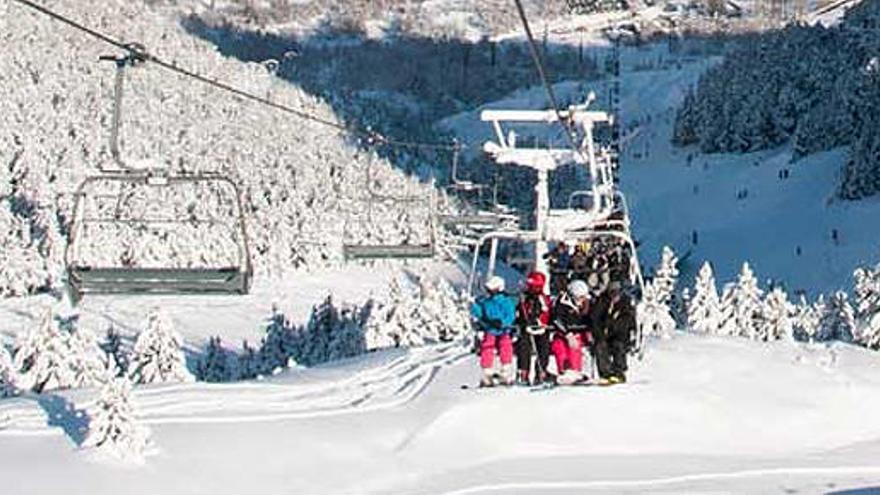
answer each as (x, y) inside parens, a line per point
(303, 183)
(701, 414)
(669, 199)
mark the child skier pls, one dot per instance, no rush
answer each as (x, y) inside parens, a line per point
(495, 314)
(532, 318)
(571, 322)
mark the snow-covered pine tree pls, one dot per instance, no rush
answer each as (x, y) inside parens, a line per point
(653, 313)
(727, 303)
(389, 320)
(43, 357)
(315, 340)
(839, 320)
(214, 365)
(418, 310)
(248, 362)
(704, 312)
(113, 423)
(439, 311)
(7, 373)
(777, 321)
(279, 344)
(666, 276)
(157, 355)
(347, 339)
(747, 300)
(869, 333)
(116, 350)
(808, 319)
(867, 292)
(89, 362)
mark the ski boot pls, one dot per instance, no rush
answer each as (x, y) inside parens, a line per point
(508, 377)
(488, 379)
(522, 378)
(569, 377)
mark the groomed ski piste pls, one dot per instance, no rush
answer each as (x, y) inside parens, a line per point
(701, 414)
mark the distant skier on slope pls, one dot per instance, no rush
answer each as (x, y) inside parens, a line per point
(532, 319)
(613, 321)
(571, 323)
(494, 315)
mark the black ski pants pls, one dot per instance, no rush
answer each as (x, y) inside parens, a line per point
(524, 350)
(609, 349)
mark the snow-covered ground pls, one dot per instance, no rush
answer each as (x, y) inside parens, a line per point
(701, 414)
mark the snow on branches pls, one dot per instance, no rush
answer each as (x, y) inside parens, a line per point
(113, 424)
(299, 180)
(666, 276)
(704, 306)
(419, 310)
(43, 356)
(776, 321)
(653, 313)
(7, 373)
(157, 355)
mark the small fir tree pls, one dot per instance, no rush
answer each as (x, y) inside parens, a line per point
(113, 424)
(248, 362)
(666, 276)
(777, 320)
(7, 373)
(215, 363)
(839, 320)
(747, 302)
(704, 312)
(43, 357)
(653, 313)
(157, 355)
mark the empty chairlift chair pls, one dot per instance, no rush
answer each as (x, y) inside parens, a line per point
(363, 242)
(147, 231)
(138, 234)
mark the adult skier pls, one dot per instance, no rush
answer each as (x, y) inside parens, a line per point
(580, 262)
(558, 260)
(533, 318)
(494, 315)
(613, 321)
(570, 319)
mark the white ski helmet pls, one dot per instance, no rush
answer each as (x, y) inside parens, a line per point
(578, 289)
(494, 284)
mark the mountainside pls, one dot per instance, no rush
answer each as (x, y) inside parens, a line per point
(813, 86)
(302, 182)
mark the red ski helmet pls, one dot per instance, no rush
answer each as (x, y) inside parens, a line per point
(535, 282)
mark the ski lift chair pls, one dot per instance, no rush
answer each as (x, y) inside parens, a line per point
(97, 212)
(424, 249)
(495, 217)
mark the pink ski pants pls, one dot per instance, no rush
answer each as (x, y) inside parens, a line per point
(504, 344)
(568, 357)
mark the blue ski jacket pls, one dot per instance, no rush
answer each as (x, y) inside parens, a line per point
(495, 314)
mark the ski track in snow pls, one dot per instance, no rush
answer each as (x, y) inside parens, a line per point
(535, 487)
(389, 385)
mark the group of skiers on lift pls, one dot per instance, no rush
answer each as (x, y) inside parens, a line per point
(601, 320)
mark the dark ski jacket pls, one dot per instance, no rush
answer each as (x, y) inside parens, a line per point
(616, 320)
(533, 310)
(567, 317)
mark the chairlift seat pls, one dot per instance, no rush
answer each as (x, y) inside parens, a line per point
(92, 280)
(378, 251)
(476, 219)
